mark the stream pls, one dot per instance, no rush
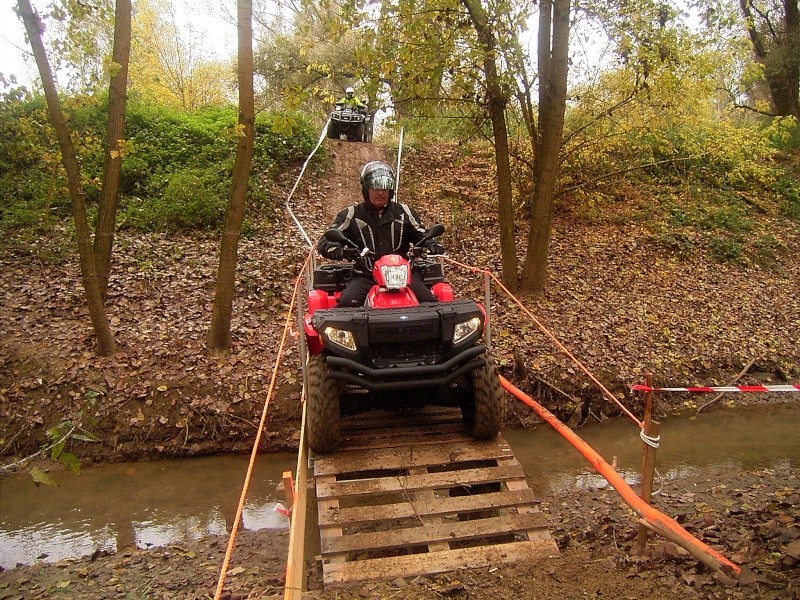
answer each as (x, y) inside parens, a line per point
(144, 504)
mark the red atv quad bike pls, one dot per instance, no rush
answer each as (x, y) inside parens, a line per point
(395, 351)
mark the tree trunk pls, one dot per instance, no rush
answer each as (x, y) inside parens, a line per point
(219, 333)
(496, 106)
(33, 27)
(117, 98)
(552, 105)
(780, 57)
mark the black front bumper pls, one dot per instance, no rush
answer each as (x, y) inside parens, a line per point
(402, 348)
(405, 378)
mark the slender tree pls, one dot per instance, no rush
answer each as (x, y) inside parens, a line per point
(496, 102)
(33, 27)
(219, 333)
(553, 51)
(117, 99)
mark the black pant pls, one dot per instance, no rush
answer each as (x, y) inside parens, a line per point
(355, 294)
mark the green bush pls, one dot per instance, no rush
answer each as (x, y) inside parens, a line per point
(166, 152)
(725, 250)
(189, 203)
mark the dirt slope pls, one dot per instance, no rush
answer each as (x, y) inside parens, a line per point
(342, 186)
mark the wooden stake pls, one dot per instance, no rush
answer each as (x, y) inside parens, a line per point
(651, 429)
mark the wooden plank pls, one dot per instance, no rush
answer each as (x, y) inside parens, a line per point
(295, 562)
(380, 419)
(430, 424)
(446, 531)
(411, 456)
(519, 485)
(400, 430)
(344, 489)
(327, 504)
(421, 508)
(378, 569)
(394, 440)
(425, 495)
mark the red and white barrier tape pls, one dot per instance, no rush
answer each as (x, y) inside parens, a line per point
(724, 388)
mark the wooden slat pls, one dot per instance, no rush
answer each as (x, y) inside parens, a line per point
(344, 489)
(420, 508)
(327, 504)
(446, 531)
(420, 439)
(516, 484)
(295, 562)
(426, 495)
(411, 456)
(378, 569)
(391, 419)
(395, 440)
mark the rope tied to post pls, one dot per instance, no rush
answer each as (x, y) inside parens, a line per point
(651, 441)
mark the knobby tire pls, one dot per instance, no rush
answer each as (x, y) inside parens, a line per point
(323, 407)
(484, 417)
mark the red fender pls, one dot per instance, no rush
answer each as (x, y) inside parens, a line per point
(443, 291)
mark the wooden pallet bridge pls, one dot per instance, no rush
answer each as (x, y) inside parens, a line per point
(408, 493)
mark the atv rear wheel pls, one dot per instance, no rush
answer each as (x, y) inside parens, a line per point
(322, 416)
(483, 417)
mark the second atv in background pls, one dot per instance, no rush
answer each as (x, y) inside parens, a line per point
(350, 119)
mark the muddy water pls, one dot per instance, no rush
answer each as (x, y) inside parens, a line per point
(722, 438)
(112, 507)
(144, 504)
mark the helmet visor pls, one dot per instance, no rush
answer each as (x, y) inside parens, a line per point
(380, 180)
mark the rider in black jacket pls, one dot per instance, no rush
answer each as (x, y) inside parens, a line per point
(383, 226)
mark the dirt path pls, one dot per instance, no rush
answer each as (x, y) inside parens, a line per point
(342, 183)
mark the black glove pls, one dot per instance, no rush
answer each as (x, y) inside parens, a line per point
(351, 253)
(435, 248)
(334, 251)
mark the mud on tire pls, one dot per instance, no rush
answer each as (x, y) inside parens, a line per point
(483, 417)
(322, 415)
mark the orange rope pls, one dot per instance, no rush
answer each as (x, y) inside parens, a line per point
(544, 329)
(232, 539)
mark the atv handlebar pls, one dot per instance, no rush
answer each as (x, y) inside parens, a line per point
(353, 252)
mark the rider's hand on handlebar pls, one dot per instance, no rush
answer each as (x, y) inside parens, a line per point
(351, 253)
(334, 251)
(435, 248)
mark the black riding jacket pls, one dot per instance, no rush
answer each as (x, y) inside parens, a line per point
(391, 232)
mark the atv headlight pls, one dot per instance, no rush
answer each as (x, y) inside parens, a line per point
(341, 337)
(465, 329)
(395, 276)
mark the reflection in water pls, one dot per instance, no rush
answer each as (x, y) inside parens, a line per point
(745, 438)
(113, 507)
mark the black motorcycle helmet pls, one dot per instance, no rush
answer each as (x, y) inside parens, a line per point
(377, 175)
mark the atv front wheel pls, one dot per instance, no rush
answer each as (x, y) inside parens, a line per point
(322, 415)
(333, 131)
(483, 417)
